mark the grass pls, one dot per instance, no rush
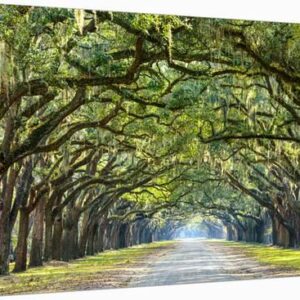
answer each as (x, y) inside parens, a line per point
(105, 269)
(271, 255)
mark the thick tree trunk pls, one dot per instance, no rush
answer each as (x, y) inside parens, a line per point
(21, 249)
(5, 222)
(57, 237)
(274, 231)
(280, 233)
(68, 251)
(84, 228)
(115, 235)
(69, 247)
(84, 234)
(249, 231)
(75, 236)
(241, 234)
(128, 235)
(108, 234)
(259, 232)
(148, 235)
(36, 253)
(142, 234)
(21, 200)
(4, 252)
(91, 236)
(297, 229)
(231, 236)
(106, 237)
(138, 229)
(122, 236)
(48, 236)
(283, 236)
(99, 241)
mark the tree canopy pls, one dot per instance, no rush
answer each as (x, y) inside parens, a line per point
(120, 128)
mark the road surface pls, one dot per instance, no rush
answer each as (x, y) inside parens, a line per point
(197, 261)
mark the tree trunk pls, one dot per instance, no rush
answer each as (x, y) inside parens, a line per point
(48, 236)
(259, 232)
(36, 253)
(5, 222)
(122, 236)
(84, 234)
(21, 249)
(279, 233)
(57, 237)
(99, 245)
(105, 236)
(70, 236)
(136, 233)
(91, 236)
(230, 232)
(21, 201)
(115, 235)
(75, 248)
(67, 252)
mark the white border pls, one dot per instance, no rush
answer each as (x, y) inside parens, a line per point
(275, 289)
(262, 10)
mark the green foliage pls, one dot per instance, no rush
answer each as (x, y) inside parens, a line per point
(178, 116)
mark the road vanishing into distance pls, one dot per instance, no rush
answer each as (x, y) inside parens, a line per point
(197, 261)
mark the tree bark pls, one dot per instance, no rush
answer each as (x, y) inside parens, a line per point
(70, 248)
(91, 236)
(36, 253)
(48, 236)
(21, 249)
(57, 237)
(5, 222)
(84, 234)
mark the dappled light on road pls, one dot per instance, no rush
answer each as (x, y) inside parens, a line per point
(199, 260)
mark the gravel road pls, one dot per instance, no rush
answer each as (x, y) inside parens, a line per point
(196, 261)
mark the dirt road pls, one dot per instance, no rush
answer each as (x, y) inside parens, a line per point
(196, 261)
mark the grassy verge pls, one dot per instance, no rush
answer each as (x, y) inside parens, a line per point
(275, 256)
(108, 269)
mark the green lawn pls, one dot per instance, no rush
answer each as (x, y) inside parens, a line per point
(106, 269)
(286, 258)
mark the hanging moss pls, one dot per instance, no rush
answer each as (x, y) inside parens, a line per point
(79, 18)
(4, 78)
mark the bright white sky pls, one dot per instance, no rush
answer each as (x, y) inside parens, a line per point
(268, 10)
